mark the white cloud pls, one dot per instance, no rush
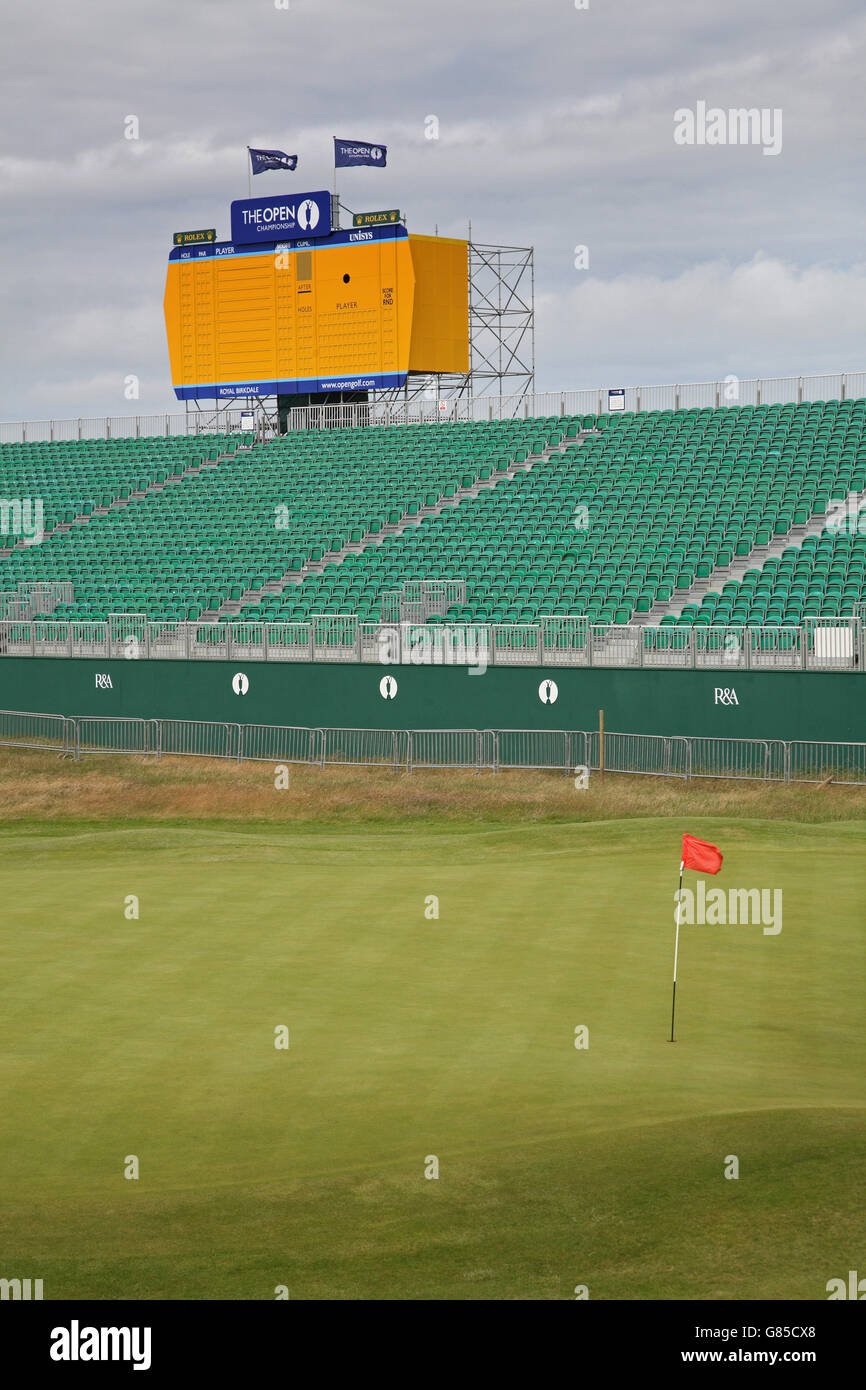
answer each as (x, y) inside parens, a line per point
(760, 318)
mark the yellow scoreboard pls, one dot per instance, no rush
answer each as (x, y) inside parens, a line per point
(353, 310)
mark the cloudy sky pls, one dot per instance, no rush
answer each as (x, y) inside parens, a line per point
(556, 130)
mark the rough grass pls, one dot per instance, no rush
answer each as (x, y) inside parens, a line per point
(42, 787)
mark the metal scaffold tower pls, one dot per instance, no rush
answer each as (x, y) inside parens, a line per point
(501, 330)
(501, 323)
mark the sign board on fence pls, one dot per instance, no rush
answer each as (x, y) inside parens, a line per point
(373, 219)
(194, 238)
(616, 399)
(832, 644)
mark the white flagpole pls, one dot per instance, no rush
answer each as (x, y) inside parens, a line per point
(249, 173)
(335, 205)
(676, 949)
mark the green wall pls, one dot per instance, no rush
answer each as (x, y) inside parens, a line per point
(784, 705)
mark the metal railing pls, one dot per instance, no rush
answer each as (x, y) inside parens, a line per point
(696, 395)
(472, 750)
(362, 747)
(35, 597)
(455, 748)
(114, 734)
(819, 762)
(556, 749)
(196, 738)
(416, 600)
(52, 733)
(742, 759)
(277, 743)
(650, 755)
(820, 644)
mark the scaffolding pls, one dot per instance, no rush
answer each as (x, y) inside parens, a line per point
(501, 332)
(501, 323)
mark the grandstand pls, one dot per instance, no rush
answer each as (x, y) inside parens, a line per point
(685, 518)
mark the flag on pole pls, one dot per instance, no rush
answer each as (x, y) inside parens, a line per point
(262, 160)
(701, 856)
(348, 153)
(704, 858)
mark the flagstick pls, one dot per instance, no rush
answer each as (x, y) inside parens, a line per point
(676, 949)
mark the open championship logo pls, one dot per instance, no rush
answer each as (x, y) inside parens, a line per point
(307, 215)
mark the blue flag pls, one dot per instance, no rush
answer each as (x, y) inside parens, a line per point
(350, 152)
(262, 160)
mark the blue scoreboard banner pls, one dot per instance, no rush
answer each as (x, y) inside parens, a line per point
(282, 217)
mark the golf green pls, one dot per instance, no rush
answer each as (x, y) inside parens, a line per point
(414, 1037)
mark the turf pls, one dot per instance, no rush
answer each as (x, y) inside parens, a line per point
(412, 1037)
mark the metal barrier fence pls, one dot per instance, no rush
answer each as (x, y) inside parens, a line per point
(789, 390)
(458, 748)
(195, 738)
(277, 743)
(556, 749)
(651, 755)
(35, 596)
(114, 734)
(476, 750)
(738, 758)
(49, 732)
(363, 747)
(818, 762)
(820, 644)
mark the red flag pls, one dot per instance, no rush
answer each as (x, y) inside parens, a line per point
(700, 855)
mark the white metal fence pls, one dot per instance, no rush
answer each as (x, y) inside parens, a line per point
(34, 596)
(50, 732)
(820, 644)
(537, 748)
(475, 750)
(754, 391)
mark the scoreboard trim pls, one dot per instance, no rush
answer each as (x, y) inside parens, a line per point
(359, 381)
(355, 237)
(220, 249)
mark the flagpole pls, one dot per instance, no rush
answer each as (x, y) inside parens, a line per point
(676, 950)
(336, 203)
(249, 174)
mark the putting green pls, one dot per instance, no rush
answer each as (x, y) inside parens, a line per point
(413, 1037)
